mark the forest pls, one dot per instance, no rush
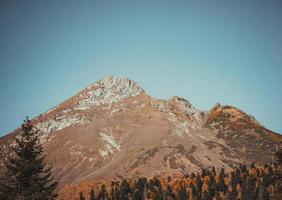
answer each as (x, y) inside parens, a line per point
(243, 183)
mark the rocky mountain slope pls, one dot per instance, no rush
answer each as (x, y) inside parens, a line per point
(113, 129)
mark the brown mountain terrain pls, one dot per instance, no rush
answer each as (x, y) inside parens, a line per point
(113, 129)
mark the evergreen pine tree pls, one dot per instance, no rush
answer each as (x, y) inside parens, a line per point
(244, 188)
(169, 193)
(238, 176)
(140, 189)
(212, 182)
(199, 184)
(213, 171)
(81, 197)
(182, 194)
(27, 177)
(208, 194)
(113, 192)
(251, 185)
(92, 195)
(124, 190)
(192, 176)
(233, 194)
(137, 195)
(194, 191)
(203, 173)
(221, 186)
(159, 189)
(243, 168)
(116, 191)
(103, 194)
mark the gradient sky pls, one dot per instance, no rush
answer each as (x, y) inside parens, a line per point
(205, 51)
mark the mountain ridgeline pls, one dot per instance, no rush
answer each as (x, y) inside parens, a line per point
(113, 129)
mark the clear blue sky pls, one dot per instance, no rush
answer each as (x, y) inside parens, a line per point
(205, 51)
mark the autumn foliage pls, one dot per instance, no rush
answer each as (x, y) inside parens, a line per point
(253, 183)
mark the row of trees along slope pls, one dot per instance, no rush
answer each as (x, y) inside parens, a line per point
(253, 183)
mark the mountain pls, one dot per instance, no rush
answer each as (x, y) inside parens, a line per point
(113, 129)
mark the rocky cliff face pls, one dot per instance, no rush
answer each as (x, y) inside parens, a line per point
(113, 128)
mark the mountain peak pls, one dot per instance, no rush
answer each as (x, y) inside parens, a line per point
(112, 129)
(108, 90)
(184, 104)
(109, 82)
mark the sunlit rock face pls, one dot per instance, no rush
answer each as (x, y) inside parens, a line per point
(113, 129)
(108, 90)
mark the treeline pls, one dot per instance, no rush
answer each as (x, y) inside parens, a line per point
(244, 183)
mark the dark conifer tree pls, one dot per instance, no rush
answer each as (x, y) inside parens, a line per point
(212, 182)
(81, 197)
(208, 194)
(193, 175)
(116, 191)
(92, 195)
(140, 189)
(233, 193)
(262, 193)
(169, 193)
(137, 195)
(199, 184)
(27, 176)
(182, 194)
(203, 173)
(158, 189)
(253, 165)
(258, 191)
(103, 194)
(113, 190)
(244, 188)
(193, 191)
(221, 186)
(124, 190)
(211, 186)
(213, 171)
(243, 168)
(251, 188)
(238, 176)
